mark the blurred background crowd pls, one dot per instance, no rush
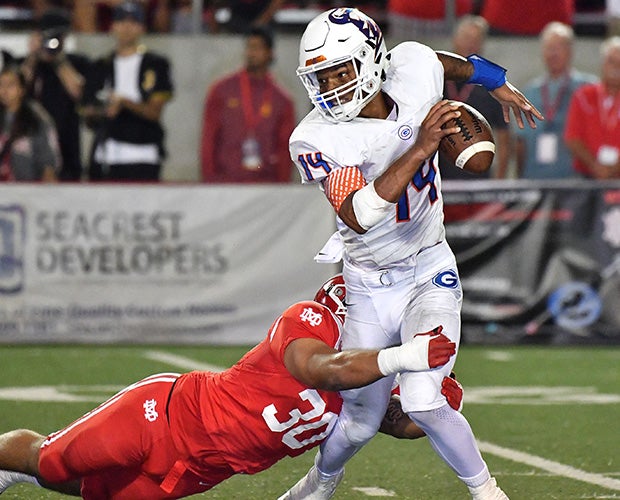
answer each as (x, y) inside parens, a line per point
(178, 16)
(201, 90)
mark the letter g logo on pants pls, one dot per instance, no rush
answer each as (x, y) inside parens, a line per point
(446, 279)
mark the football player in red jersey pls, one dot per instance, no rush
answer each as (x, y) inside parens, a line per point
(169, 435)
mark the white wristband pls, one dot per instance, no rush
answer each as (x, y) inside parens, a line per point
(369, 207)
(412, 356)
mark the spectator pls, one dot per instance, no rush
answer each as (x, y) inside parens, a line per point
(28, 142)
(247, 14)
(418, 18)
(181, 15)
(91, 16)
(56, 79)
(247, 121)
(541, 152)
(526, 17)
(40, 7)
(612, 12)
(125, 99)
(593, 127)
(469, 38)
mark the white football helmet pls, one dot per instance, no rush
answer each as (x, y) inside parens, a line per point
(336, 37)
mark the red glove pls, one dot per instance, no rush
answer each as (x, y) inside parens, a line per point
(440, 347)
(453, 392)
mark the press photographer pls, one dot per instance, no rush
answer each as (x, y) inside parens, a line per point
(56, 79)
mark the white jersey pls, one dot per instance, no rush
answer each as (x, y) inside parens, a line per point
(317, 146)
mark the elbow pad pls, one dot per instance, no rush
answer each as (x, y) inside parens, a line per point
(369, 207)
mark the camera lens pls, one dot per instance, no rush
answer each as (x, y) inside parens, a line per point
(52, 44)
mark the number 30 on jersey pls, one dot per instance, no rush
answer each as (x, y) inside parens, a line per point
(300, 422)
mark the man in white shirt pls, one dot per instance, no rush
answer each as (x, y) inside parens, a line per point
(125, 98)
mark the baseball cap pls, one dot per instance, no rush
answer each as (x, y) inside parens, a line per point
(54, 19)
(129, 10)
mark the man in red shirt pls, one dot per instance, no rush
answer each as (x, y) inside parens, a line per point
(247, 121)
(592, 130)
(170, 436)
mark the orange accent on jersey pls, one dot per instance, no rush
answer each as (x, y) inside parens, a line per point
(342, 182)
(314, 60)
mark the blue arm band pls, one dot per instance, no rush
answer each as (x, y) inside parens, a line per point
(486, 73)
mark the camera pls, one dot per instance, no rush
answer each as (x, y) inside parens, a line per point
(53, 40)
(54, 26)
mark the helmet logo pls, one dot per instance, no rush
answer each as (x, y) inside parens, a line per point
(366, 25)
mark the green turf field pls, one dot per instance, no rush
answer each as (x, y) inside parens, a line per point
(548, 419)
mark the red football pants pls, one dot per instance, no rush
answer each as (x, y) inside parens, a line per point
(123, 449)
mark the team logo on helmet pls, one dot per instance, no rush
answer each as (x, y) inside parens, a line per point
(366, 25)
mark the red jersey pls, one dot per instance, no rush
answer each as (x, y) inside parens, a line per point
(241, 108)
(256, 413)
(594, 119)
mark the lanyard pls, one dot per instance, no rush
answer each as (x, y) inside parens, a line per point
(459, 95)
(608, 108)
(251, 117)
(550, 109)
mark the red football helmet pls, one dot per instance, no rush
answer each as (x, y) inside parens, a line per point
(332, 295)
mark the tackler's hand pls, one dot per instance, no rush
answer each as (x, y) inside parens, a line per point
(453, 392)
(423, 352)
(440, 347)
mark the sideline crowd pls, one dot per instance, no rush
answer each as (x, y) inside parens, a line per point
(48, 96)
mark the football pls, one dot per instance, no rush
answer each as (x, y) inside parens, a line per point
(473, 148)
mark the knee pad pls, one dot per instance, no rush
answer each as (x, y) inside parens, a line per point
(360, 432)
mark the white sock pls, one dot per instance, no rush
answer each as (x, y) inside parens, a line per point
(322, 475)
(476, 481)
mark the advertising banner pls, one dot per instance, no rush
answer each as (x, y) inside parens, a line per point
(538, 261)
(171, 264)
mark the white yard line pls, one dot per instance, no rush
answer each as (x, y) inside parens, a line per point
(374, 491)
(181, 361)
(550, 466)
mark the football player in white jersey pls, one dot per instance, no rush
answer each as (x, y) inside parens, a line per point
(371, 144)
